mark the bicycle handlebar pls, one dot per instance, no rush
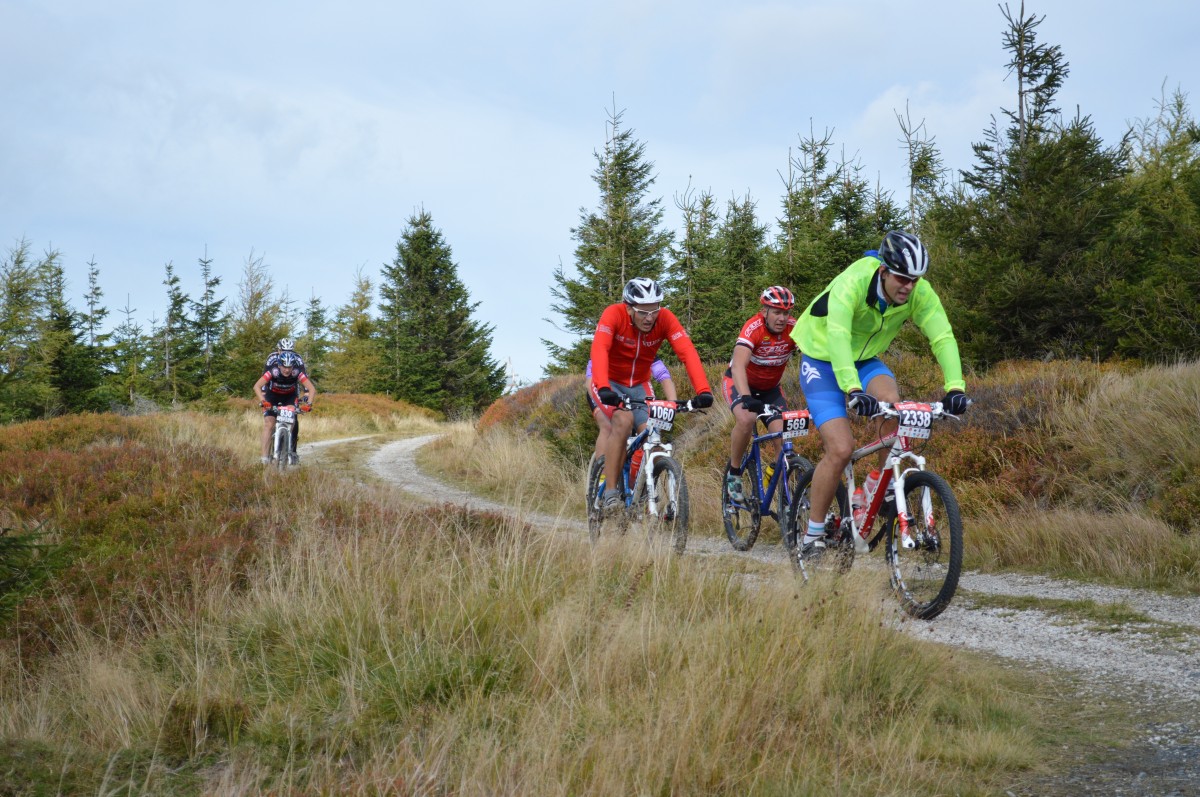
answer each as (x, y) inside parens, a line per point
(680, 406)
(938, 410)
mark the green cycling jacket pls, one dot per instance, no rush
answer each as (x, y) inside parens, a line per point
(845, 325)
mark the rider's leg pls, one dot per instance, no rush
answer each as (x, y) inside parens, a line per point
(838, 440)
(883, 387)
(604, 430)
(614, 453)
(739, 438)
(268, 432)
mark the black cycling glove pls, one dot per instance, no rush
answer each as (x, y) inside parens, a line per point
(752, 404)
(702, 400)
(955, 402)
(863, 403)
(609, 396)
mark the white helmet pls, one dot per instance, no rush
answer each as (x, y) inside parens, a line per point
(904, 254)
(286, 344)
(642, 290)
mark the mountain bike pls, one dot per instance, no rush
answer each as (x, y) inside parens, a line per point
(920, 522)
(659, 494)
(281, 444)
(743, 519)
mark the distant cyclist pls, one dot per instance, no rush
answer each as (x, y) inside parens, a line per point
(626, 342)
(762, 351)
(841, 334)
(282, 383)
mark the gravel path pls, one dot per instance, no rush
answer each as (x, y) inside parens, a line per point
(1156, 664)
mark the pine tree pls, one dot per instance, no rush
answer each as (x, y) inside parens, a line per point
(619, 241)
(728, 285)
(24, 389)
(257, 321)
(73, 372)
(1024, 259)
(355, 359)
(315, 343)
(1152, 309)
(804, 257)
(209, 323)
(697, 252)
(131, 359)
(435, 354)
(177, 352)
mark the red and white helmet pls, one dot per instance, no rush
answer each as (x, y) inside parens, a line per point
(778, 297)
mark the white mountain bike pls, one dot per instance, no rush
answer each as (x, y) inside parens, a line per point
(281, 444)
(920, 519)
(659, 493)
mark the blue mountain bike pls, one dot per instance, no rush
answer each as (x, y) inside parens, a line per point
(767, 484)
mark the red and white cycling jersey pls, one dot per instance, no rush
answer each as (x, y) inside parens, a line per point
(622, 353)
(769, 354)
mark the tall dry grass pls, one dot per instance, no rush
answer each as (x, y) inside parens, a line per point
(386, 648)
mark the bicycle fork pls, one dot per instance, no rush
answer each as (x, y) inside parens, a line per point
(654, 452)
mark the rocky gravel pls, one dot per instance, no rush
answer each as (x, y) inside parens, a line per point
(1154, 665)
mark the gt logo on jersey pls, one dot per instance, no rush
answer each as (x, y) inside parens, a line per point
(808, 373)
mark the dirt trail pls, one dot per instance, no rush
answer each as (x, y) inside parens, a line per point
(1155, 664)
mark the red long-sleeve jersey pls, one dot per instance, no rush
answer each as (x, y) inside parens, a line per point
(622, 353)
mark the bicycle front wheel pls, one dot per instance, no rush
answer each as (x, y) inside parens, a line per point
(282, 444)
(925, 552)
(670, 513)
(595, 512)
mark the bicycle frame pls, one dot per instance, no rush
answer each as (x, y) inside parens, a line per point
(654, 448)
(893, 473)
(802, 421)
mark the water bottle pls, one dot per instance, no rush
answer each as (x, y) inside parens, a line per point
(768, 472)
(872, 483)
(858, 504)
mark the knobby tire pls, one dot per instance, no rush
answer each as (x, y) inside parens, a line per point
(924, 579)
(595, 515)
(672, 501)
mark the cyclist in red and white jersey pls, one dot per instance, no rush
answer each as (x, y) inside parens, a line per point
(762, 351)
(627, 340)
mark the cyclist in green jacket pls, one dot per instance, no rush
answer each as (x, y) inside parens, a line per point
(841, 334)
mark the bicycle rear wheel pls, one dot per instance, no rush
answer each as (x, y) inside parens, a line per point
(742, 520)
(838, 554)
(925, 576)
(595, 513)
(671, 512)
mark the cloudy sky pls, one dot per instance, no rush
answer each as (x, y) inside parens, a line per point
(141, 133)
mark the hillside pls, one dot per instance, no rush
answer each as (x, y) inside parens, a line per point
(216, 629)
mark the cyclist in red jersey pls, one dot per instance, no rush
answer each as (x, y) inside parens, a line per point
(626, 342)
(762, 351)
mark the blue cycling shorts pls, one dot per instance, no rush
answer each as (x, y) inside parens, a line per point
(825, 399)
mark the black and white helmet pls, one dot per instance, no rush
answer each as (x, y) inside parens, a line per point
(642, 290)
(286, 344)
(904, 254)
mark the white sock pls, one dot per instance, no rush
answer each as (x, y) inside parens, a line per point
(815, 530)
